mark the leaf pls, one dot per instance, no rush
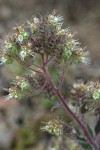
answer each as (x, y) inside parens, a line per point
(83, 143)
(97, 127)
(90, 131)
(46, 102)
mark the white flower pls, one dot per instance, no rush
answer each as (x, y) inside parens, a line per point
(85, 60)
(3, 60)
(20, 38)
(23, 54)
(36, 20)
(96, 95)
(24, 85)
(8, 45)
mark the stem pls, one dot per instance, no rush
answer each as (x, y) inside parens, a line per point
(35, 70)
(43, 86)
(47, 61)
(73, 115)
(36, 66)
(69, 111)
(62, 78)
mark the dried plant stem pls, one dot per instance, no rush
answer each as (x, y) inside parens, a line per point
(73, 115)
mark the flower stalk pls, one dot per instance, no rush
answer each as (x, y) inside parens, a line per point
(71, 114)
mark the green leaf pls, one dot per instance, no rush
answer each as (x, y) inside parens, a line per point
(13, 51)
(97, 127)
(46, 102)
(90, 131)
(83, 143)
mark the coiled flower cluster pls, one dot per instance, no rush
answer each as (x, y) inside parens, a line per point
(44, 36)
(94, 88)
(88, 95)
(20, 89)
(58, 127)
(91, 88)
(29, 85)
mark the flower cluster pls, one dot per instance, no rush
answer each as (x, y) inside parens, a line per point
(20, 89)
(80, 86)
(73, 52)
(92, 89)
(17, 47)
(43, 35)
(85, 95)
(29, 85)
(58, 127)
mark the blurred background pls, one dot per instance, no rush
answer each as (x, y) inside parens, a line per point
(20, 121)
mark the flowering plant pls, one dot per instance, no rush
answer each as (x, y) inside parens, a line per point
(36, 44)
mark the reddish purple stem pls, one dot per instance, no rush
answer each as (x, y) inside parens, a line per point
(73, 115)
(69, 111)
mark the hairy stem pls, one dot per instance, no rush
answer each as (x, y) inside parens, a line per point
(61, 78)
(69, 111)
(73, 115)
(37, 71)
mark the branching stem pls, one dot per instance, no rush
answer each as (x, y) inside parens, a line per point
(73, 115)
(69, 111)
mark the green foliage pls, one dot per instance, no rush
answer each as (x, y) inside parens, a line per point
(83, 143)
(90, 131)
(46, 102)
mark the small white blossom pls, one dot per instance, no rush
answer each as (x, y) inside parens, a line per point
(24, 85)
(8, 45)
(20, 38)
(36, 20)
(3, 60)
(23, 54)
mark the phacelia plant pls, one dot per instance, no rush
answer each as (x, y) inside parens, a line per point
(36, 44)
